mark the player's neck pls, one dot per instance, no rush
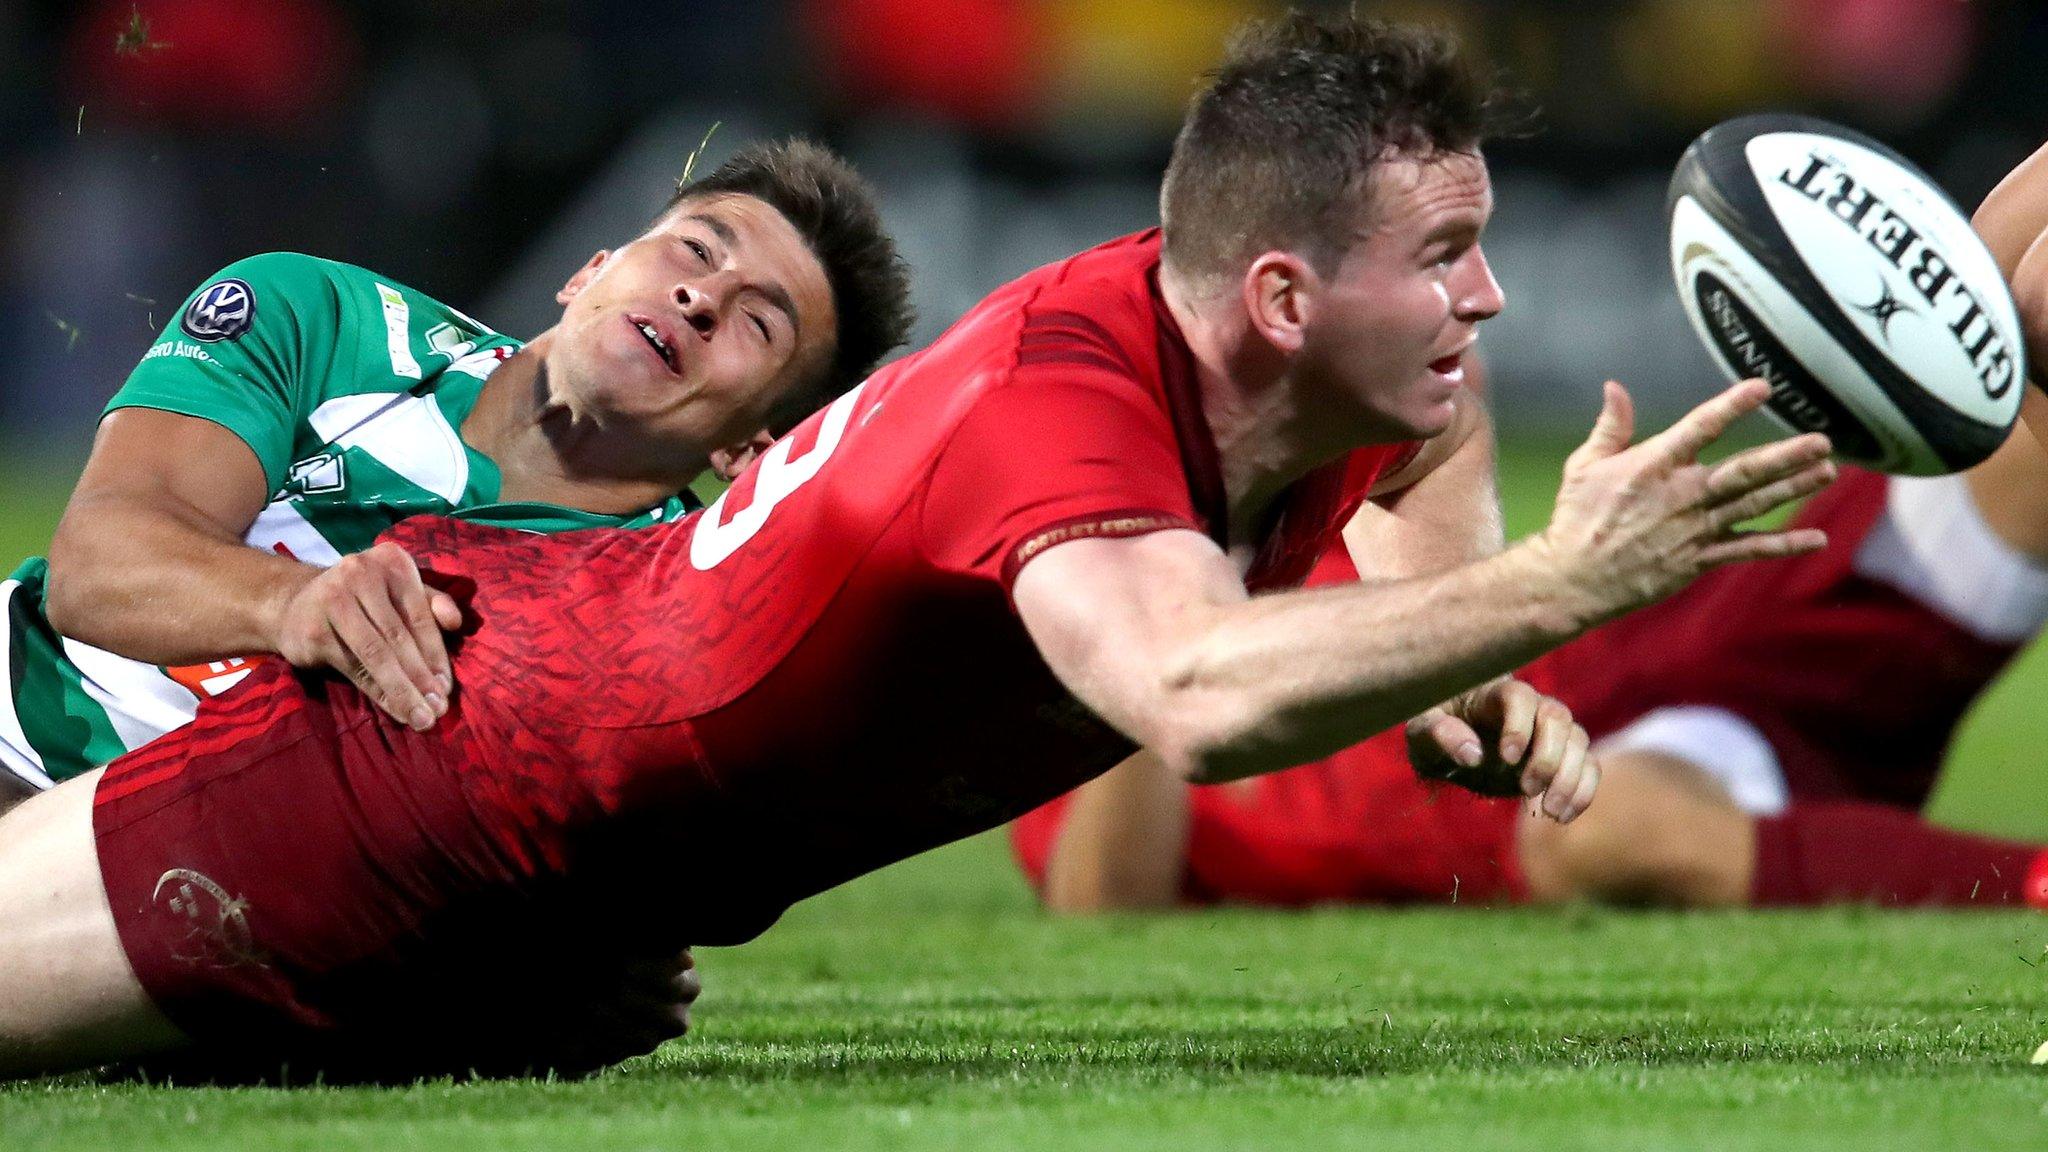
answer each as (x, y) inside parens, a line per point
(1265, 441)
(544, 455)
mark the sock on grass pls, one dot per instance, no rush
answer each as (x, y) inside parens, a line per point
(1828, 852)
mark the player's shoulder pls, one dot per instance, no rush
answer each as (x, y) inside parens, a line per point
(1102, 301)
(290, 273)
(316, 287)
(1063, 347)
(1093, 310)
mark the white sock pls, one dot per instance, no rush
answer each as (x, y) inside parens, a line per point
(1933, 544)
(1717, 742)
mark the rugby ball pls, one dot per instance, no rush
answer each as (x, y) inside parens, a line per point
(1827, 264)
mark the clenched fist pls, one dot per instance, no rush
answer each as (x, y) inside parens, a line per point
(1504, 738)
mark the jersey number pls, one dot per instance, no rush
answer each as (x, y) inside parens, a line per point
(775, 478)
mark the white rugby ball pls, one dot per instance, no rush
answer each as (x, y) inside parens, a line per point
(1826, 263)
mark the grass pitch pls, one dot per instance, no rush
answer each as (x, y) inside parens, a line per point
(931, 1006)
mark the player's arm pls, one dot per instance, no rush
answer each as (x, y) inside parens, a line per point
(1123, 843)
(2013, 220)
(1437, 511)
(1157, 634)
(2014, 214)
(148, 561)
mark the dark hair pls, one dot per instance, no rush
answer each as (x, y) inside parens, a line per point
(1278, 150)
(833, 208)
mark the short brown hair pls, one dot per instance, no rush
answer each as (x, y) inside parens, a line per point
(833, 208)
(1278, 150)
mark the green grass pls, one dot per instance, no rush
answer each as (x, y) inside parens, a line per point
(930, 1006)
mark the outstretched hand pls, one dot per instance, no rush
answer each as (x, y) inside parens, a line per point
(1504, 738)
(1635, 523)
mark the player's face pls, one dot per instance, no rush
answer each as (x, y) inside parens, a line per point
(692, 332)
(1390, 328)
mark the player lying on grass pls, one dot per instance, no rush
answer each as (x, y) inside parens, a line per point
(980, 578)
(1769, 735)
(301, 406)
(355, 402)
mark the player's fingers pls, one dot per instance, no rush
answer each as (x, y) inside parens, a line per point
(1457, 740)
(1519, 704)
(1589, 786)
(662, 1013)
(672, 978)
(333, 651)
(1561, 799)
(401, 654)
(412, 601)
(1684, 441)
(1745, 546)
(447, 613)
(370, 644)
(626, 1028)
(1795, 487)
(1754, 468)
(688, 984)
(1437, 732)
(1613, 428)
(1552, 729)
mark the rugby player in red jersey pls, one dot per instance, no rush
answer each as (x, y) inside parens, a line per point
(1783, 760)
(985, 575)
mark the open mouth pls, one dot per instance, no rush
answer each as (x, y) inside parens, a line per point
(655, 341)
(1450, 367)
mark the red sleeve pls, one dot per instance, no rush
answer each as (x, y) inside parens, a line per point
(1071, 447)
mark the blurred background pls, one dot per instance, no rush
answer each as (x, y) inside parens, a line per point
(480, 151)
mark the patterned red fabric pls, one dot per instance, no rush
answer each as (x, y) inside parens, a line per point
(702, 723)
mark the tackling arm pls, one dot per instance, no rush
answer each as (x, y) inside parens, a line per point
(148, 561)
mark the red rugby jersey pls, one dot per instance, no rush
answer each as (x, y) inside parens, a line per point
(822, 673)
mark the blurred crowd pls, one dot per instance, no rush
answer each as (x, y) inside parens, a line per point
(481, 150)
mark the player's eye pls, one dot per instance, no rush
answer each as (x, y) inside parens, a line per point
(762, 326)
(698, 247)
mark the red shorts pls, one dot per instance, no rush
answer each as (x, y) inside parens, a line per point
(295, 877)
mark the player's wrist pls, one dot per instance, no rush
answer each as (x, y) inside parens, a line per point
(1564, 598)
(275, 611)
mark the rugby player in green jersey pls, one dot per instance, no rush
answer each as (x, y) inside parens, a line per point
(299, 406)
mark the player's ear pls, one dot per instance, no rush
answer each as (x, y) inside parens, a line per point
(1278, 294)
(583, 277)
(730, 461)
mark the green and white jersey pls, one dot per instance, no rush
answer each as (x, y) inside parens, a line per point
(351, 390)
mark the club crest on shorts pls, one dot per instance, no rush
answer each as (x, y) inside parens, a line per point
(223, 310)
(216, 925)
